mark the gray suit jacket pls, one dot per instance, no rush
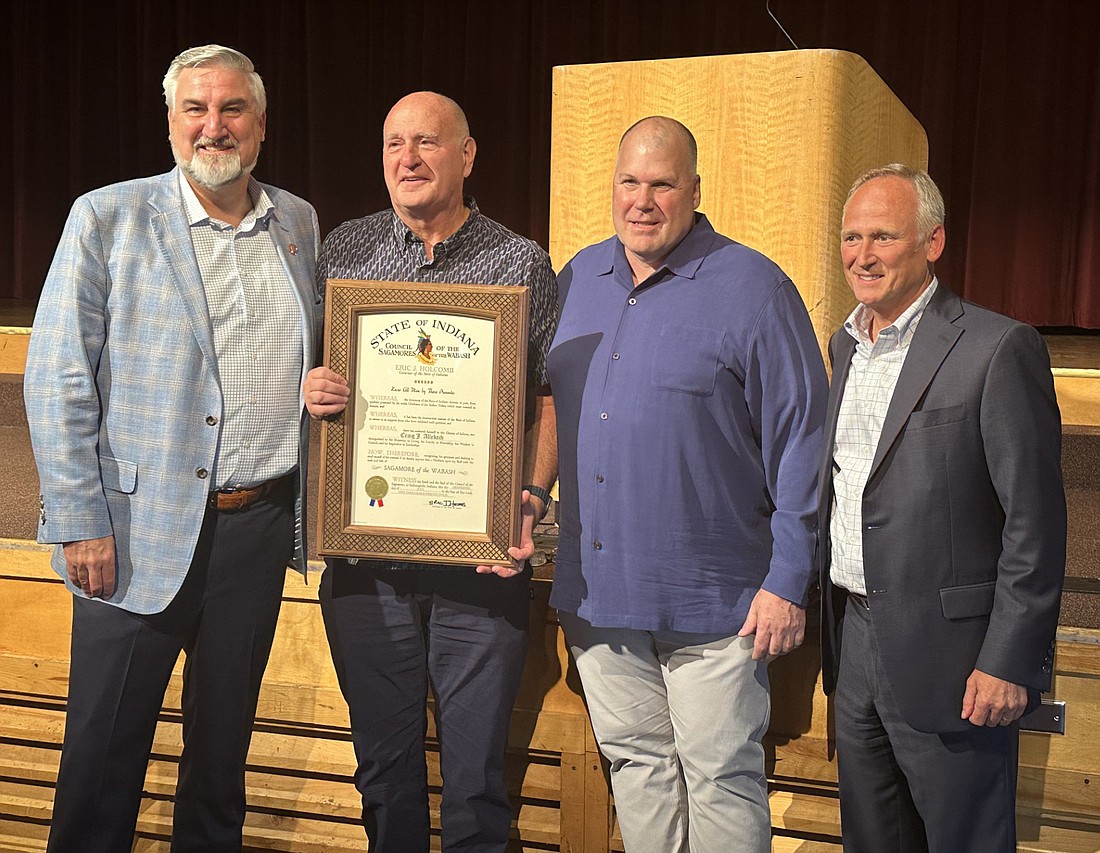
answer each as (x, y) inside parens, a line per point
(964, 516)
(121, 378)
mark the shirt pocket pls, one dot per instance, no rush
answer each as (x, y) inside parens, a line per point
(685, 359)
(117, 474)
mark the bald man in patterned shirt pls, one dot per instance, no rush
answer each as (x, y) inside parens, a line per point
(394, 627)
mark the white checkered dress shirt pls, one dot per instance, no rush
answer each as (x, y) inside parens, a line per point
(872, 377)
(257, 327)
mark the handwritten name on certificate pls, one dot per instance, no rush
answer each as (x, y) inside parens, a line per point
(423, 418)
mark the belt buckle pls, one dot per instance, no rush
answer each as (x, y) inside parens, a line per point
(247, 496)
(861, 600)
(242, 502)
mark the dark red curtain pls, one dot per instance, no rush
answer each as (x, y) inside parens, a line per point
(1009, 93)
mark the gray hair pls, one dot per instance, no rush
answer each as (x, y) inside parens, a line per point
(930, 209)
(214, 56)
(664, 129)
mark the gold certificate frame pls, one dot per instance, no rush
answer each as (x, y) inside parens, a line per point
(425, 463)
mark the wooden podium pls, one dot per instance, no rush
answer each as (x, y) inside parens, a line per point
(781, 138)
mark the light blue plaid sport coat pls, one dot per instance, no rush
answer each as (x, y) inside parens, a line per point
(121, 379)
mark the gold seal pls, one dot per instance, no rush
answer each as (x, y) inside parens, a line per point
(377, 488)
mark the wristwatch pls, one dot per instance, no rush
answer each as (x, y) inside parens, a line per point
(543, 495)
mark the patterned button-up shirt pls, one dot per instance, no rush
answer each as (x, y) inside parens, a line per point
(380, 247)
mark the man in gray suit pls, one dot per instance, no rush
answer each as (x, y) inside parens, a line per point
(163, 380)
(943, 537)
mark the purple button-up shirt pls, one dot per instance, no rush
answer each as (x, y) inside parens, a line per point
(689, 416)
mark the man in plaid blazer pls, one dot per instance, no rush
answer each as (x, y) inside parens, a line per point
(163, 381)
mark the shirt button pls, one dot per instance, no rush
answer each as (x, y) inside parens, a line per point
(614, 356)
(603, 416)
(599, 478)
(632, 301)
(210, 419)
(598, 545)
(201, 473)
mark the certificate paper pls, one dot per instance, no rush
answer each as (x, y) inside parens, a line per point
(424, 399)
(425, 463)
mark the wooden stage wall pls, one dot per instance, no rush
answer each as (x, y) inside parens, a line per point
(300, 793)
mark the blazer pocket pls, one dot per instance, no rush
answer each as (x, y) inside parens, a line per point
(118, 474)
(937, 417)
(967, 602)
(686, 359)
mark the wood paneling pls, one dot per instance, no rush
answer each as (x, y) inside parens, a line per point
(1078, 393)
(13, 350)
(300, 765)
(301, 761)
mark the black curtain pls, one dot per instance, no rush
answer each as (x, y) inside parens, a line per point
(1009, 93)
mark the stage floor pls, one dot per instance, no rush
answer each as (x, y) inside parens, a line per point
(1068, 349)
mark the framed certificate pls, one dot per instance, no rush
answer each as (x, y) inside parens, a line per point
(425, 464)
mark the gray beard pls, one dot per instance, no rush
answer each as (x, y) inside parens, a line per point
(214, 171)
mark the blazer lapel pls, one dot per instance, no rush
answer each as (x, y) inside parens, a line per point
(173, 235)
(933, 340)
(301, 279)
(840, 349)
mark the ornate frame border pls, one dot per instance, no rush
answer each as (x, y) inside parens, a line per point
(507, 307)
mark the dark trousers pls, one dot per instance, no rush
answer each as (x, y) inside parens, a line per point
(392, 632)
(224, 618)
(907, 791)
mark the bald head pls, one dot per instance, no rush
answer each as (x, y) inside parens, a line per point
(442, 112)
(656, 192)
(427, 154)
(662, 132)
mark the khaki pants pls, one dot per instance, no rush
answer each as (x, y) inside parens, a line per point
(681, 717)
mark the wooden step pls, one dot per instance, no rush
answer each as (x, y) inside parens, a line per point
(301, 762)
(18, 836)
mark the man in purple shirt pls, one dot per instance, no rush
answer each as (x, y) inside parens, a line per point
(690, 396)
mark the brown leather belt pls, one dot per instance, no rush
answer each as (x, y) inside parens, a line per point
(231, 500)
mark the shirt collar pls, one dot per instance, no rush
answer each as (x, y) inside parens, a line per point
(197, 215)
(683, 261)
(405, 236)
(858, 324)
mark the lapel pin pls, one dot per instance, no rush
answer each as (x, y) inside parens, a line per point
(293, 248)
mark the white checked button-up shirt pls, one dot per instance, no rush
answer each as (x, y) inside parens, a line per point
(257, 326)
(872, 377)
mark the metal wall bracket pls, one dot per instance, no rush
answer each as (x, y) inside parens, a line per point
(1049, 717)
